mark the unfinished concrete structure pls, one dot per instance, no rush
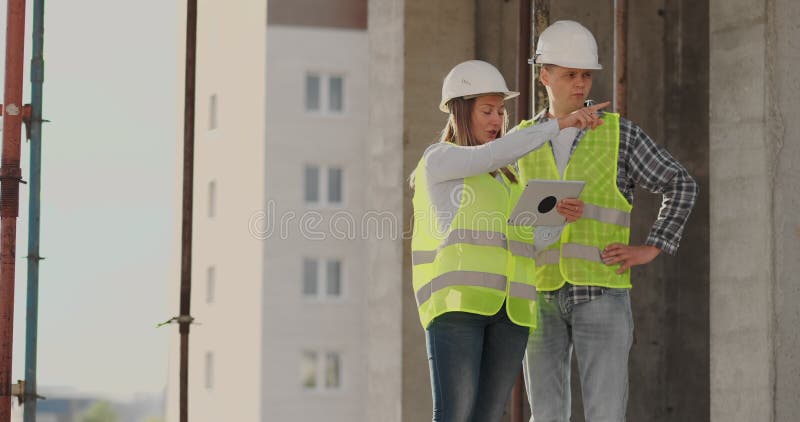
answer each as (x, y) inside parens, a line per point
(713, 82)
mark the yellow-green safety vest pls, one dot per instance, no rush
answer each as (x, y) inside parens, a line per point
(476, 264)
(575, 257)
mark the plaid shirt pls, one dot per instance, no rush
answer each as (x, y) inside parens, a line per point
(643, 163)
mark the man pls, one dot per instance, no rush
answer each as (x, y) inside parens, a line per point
(583, 275)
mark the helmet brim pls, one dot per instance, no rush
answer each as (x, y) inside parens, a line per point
(573, 65)
(506, 96)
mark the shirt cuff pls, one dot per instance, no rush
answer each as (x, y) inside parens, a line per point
(550, 127)
(665, 245)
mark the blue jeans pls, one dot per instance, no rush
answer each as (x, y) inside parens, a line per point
(474, 361)
(601, 332)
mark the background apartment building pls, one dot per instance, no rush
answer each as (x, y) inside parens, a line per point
(316, 120)
(280, 142)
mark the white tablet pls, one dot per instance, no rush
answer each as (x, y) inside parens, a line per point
(537, 205)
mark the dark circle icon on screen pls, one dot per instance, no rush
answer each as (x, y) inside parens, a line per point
(547, 204)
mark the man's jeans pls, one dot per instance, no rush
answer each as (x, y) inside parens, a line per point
(601, 331)
(474, 361)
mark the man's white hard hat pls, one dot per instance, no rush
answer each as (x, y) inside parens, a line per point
(567, 44)
(471, 79)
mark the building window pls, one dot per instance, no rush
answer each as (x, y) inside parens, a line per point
(336, 94)
(333, 365)
(312, 184)
(316, 272)
(211, 276)
(325, 93)
(310, 277)
(212, 198)
(312, 92)
(335, 185)
(212, 112)
(209, 370)
(323, 185)
(316, 376)
(333, 278)
(308, 370)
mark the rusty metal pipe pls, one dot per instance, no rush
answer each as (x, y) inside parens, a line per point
(523, 53)
(533, 19)
(525, 16)
(10, 176)
(620, 56)
(541, 20)
(185, 319)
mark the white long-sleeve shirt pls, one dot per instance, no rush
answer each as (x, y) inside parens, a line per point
(447, 165)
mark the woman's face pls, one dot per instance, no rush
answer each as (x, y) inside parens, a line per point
(487, 117)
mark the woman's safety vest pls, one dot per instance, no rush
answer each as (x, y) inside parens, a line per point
(575, 258)
(476, 264)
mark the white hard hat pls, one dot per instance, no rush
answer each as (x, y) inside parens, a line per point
(473, 78)
(567, 44)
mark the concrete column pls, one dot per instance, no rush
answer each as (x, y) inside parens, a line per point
(784, 45)
(385, 288)
(755, 242)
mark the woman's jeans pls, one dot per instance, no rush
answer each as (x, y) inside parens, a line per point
(601, 332)
(474, 361)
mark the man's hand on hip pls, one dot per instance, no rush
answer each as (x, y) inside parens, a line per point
(628, 256)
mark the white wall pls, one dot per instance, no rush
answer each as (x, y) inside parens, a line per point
(295, 138)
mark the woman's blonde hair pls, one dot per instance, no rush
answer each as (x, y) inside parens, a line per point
(458, 131)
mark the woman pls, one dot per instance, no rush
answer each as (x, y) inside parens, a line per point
(472, 274)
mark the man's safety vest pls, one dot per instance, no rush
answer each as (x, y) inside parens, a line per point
(476, 264)
(575, 257)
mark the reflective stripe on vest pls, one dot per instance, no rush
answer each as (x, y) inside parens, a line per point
(568, 250)
(607, 215)
(522, 290)
(460, 278)
(464, 236)
(474, 279)
(475, 237)
(422, 257)
(521, 248)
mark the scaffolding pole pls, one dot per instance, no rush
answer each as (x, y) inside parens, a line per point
(620, 56)
(185, 319)
(541, 20)
(35, 129)
(10, 177)
(534, 17)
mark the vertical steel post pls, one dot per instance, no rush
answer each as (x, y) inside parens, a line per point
(185, 319)
(541, 20)
(35, 125)
(10, 176)
(523, 54)
(525, 42)
(620, 56)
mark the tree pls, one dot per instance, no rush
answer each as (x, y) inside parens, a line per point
(101, 411)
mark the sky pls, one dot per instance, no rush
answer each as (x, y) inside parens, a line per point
(109, 196)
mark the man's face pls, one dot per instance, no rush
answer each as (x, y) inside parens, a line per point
(568, 87)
